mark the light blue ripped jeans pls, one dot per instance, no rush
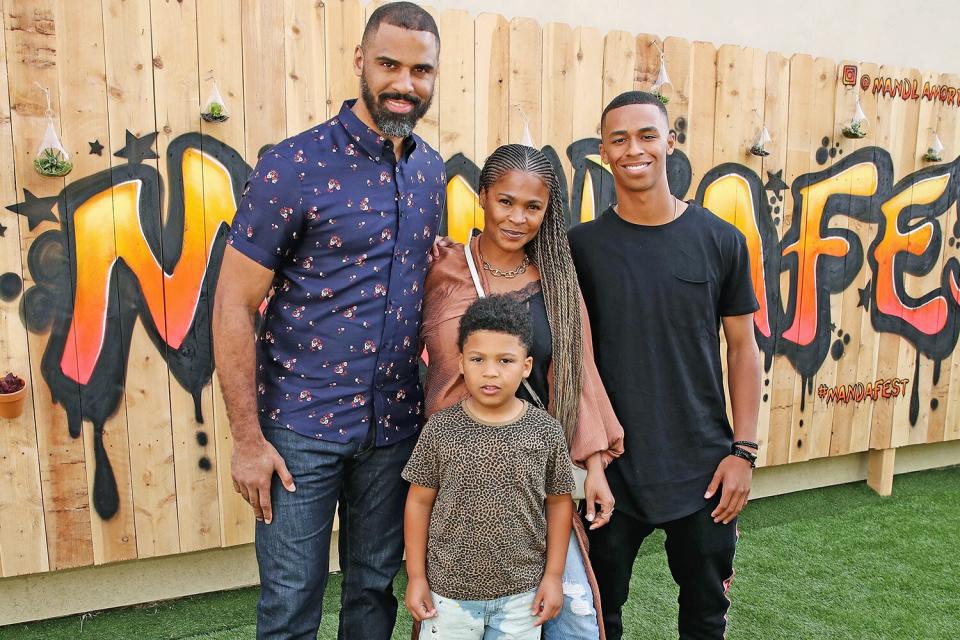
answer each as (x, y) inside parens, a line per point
(577, 619)
(505, 618)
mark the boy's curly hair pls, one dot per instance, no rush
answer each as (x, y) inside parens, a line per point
(499, 313)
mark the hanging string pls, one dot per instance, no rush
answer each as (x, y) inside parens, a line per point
(526, 137)
(46, 92)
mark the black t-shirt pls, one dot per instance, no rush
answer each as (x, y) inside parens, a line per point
(655, 296)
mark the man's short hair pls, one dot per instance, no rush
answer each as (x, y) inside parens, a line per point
(500, 313)
(634, 97)
(405, 15)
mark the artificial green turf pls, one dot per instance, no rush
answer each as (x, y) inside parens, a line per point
(836, 563)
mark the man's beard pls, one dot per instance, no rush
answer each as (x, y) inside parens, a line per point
(393, 125)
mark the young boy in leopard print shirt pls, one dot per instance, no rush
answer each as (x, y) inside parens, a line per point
(488, 514)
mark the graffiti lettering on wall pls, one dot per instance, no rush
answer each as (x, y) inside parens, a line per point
(903, 88)
(860, 392)
(115, 260)
(91, 285)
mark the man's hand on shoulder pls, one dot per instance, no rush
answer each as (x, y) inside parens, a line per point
(252, 466)
(440, 242)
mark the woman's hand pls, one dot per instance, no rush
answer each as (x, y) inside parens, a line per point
(597, 492)
(418, 600)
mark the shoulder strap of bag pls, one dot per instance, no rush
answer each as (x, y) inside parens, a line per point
(475, 276)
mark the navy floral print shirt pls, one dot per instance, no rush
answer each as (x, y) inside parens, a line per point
(347, 229)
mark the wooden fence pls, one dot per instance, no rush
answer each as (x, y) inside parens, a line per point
(106, 275)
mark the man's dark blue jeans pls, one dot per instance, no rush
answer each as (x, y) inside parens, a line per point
(293, 551)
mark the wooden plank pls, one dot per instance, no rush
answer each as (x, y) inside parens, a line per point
(263, 74)
(950, 374)
(928, 117)
(647, 65)
(343, 20)
(825, 77)
(458, 131)
(176, 87)
(31, 37)
(526, 51)
(773, 426)
(741, 81)
(786, 384)
(492, 96)
(679, 58)
(700, 123)
(619, 64)
(585, 109)
(619, 69)
(428, 127)
(880, 467)
(815, 77)
(23, 537)
(305, 63)
(741, 78)
(130, 104)
(559, 92)
(218, 33)
(902, 144)
(84, 114)
(945, 125)
(851, 421)
(587, 85)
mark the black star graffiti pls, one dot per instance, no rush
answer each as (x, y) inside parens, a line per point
(35, 209)
(864, 297)
(138, 149)
(3, 230)
(96, 149)
(775, 182)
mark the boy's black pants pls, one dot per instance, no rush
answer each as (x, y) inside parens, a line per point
(700, 555)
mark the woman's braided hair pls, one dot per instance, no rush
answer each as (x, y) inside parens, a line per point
(550, 252)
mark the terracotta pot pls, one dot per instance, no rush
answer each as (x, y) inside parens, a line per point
(11, 404)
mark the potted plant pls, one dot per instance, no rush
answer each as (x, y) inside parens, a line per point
(13, 394)
(759, 147)
(214, 113)
(854, 129)
(934, 151)
(216, 108)
(51, 163)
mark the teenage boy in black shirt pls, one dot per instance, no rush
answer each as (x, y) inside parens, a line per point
(659, 276)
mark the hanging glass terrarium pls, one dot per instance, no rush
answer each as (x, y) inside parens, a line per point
(215, 109)
(52, 158)
(934, 151)
(662, 80)
(759, 146)
(857, 127)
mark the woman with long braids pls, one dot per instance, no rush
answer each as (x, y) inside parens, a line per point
(523, 252)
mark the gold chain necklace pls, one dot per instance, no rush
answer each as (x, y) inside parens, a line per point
(499, 273)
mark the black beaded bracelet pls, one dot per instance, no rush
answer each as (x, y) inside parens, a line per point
(746, 455)
(746, 443)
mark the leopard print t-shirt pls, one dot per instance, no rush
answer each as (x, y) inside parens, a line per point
(488, 528)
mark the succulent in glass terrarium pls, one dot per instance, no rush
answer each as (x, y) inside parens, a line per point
(215, 109)
(759, 146)
(662, 80)
(857, 127)
(52, 158)
(52, 162)
(934, 151)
